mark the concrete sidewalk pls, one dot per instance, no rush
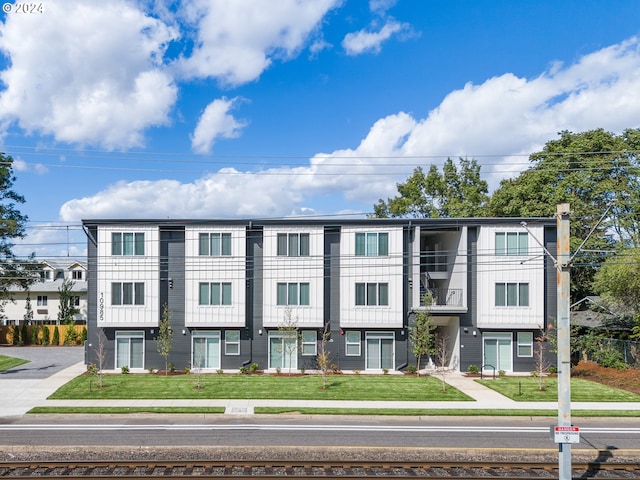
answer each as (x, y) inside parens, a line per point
(19, 396)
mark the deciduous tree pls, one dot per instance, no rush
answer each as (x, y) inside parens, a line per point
(164, 340)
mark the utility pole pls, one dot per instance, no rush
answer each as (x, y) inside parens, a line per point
(563, 264)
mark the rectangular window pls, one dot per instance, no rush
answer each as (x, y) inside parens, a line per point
(372, 294)
(214, 293)
(130, 349)
(293, 294)
(372, 244)
(205, 350)
(75, 301)
(352, 344)
(214, 244)
(512, 295)
(127, 243)
(293, 244)
(512, 243)
(42, 300)
(127, 293)
(232, 342)
(525, 344)
(309, 342)
(76, 274)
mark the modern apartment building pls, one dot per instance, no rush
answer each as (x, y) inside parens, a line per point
(233, 286)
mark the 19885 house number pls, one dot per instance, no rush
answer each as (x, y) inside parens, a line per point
(22, 7)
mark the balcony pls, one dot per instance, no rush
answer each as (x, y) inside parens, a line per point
(443, 297)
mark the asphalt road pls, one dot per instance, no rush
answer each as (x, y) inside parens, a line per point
(43, 361)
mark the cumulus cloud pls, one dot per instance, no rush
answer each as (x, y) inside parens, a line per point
(215, 122)
(237, 39)
(88, 73)
(496, 121)
(371, 42)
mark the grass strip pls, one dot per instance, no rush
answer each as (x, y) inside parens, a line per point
(7, 363)
(308, 387)
(527, 389)
(125, 410)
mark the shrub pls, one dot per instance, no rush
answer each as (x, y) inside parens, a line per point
(151, 369)
(35, 330)
(92, 368)
(302, 370)
(610, 358)
(219, 371)
(385, 371)
(356, 371)
(84, 335)
(412, 369)
(15, 330)
(244, 370)
(172, 367)
(46, 335)
(553, 370)
(473, 369)
(502, 373)
(24, 334)
(187, 370)
(124, 369)
(56, 336)
(253, 368)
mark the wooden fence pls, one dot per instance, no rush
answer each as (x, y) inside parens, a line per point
(7, 335)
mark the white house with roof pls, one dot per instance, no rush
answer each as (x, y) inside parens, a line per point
(44, 294)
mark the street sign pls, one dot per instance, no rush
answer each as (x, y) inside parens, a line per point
(566, 434)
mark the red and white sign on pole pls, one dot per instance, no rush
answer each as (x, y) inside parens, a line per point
(568, 434)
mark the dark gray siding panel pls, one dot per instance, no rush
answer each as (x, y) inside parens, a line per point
(331, 305)
(470, 344)
(255, 348)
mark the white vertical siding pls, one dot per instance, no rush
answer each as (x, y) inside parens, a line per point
(371, 269)
(122, 268)
(201, 268)
(494, 269)
(285, 269)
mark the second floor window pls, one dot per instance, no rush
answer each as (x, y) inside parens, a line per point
(372, 244)
(75, 301)
(512, 243)
(215, 293)
(127, 293)
(127, 243)
(42, 300)
(512, 294)
(372, 294)
(76, 274)
(293, 294)
(293, 244)
(214, 244)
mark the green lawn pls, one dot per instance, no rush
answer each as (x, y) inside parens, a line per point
(526, 389)
(7, 363)
(308, 387)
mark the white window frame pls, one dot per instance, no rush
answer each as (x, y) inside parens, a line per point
(120, 286)
(518, 291)
(220, 239)
(291, 244)
(118, 247)
(525, 343)
(309, 340)
(350, 342)
(205, 334)
(42, 301)
(505, 250)
(232, 342)
(76, 274)
(372, 251)
(129, 335)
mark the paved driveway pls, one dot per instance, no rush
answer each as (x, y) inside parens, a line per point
(43, 361)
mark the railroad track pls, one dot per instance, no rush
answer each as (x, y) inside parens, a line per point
(315, 469)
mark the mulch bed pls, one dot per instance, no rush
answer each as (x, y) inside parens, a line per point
(628, 379)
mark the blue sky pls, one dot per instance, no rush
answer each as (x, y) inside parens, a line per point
(263, 109)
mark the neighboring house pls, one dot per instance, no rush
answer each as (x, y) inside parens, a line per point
(231, 285)
(44, 293)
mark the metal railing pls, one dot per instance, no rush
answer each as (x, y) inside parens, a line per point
(442, 296)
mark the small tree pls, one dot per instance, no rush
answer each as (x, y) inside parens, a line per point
(442, 356)
(164, 340)
(24, 334)
(56, 336)
(101, 353)
(421, 333)
(16, 340)
(540, 360)
(67, 310)
(289, 331)
(46, 335)
(324, 356)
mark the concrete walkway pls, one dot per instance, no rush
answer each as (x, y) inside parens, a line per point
(19, 396)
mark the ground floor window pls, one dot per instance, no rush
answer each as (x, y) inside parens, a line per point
(380, 349)
(130, 349)
(497, 349)
(232, 342)
(525, 344)
(205, 350)
(352, 344)
(283, 350)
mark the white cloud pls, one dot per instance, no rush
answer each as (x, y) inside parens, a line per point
(86, 73)
(215, 122)
(237, 39)
(494, 122)
(364, 41)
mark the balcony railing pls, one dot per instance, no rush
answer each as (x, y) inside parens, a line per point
(449, 297)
